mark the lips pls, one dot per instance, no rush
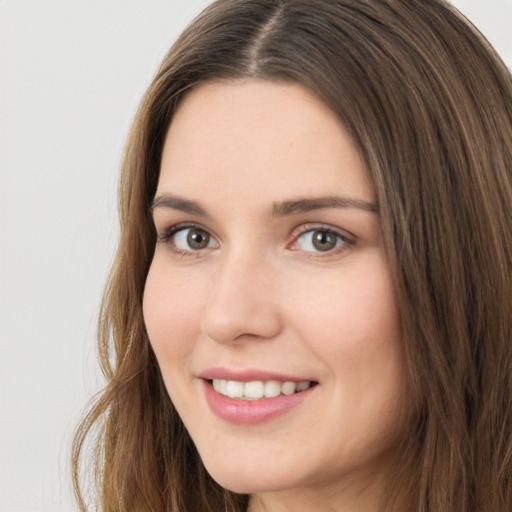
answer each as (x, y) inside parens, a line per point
(252, 397)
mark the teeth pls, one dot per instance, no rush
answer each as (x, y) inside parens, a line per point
(258, 389)
(234, 389)
(302, 386)
(288, 388)
(254, 390)
(272, 388)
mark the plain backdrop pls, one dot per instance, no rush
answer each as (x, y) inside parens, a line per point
(71, 75)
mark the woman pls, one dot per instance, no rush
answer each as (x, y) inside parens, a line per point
(311, 304)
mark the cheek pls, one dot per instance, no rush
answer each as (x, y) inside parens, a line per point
(171, 308)
(355, 313)
(353, 326)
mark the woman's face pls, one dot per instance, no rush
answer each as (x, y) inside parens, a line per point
(269, 304)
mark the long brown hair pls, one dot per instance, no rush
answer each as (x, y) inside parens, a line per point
(428, 103)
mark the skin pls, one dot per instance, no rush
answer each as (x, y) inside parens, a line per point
(261, 296)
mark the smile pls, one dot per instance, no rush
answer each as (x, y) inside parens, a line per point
(256, 390)
(250, 401)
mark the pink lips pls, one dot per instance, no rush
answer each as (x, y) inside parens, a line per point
(249, 412)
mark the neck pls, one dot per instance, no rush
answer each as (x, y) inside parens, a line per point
(343, 497)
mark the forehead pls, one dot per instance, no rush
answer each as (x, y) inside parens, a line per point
(261, 136)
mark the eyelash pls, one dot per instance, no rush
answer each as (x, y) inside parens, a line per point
(346, 239)
(168, 234)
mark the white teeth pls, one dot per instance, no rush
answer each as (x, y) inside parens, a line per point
(288, 388)
(254, 389)
(272, 388)
(234, 389)
(258, 389)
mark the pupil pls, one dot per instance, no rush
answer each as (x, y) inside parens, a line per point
(197, 239)
(323, 240)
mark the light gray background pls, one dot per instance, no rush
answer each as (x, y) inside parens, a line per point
(71, 74)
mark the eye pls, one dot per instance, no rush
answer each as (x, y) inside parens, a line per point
(319, 240)
(188, 238)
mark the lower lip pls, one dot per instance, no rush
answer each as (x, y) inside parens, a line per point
(251, 412)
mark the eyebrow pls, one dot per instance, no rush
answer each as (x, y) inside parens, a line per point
(279, 209)
(305, 205)
(178, 203)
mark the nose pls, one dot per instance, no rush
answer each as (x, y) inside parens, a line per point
(243, 303)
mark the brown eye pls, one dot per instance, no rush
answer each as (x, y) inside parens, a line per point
(197, 239)
(324, 240)
(190, 239)
(320, 240)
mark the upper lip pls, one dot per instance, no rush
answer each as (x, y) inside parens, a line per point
(248, 375)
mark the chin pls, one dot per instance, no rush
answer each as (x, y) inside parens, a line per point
(248, 480)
